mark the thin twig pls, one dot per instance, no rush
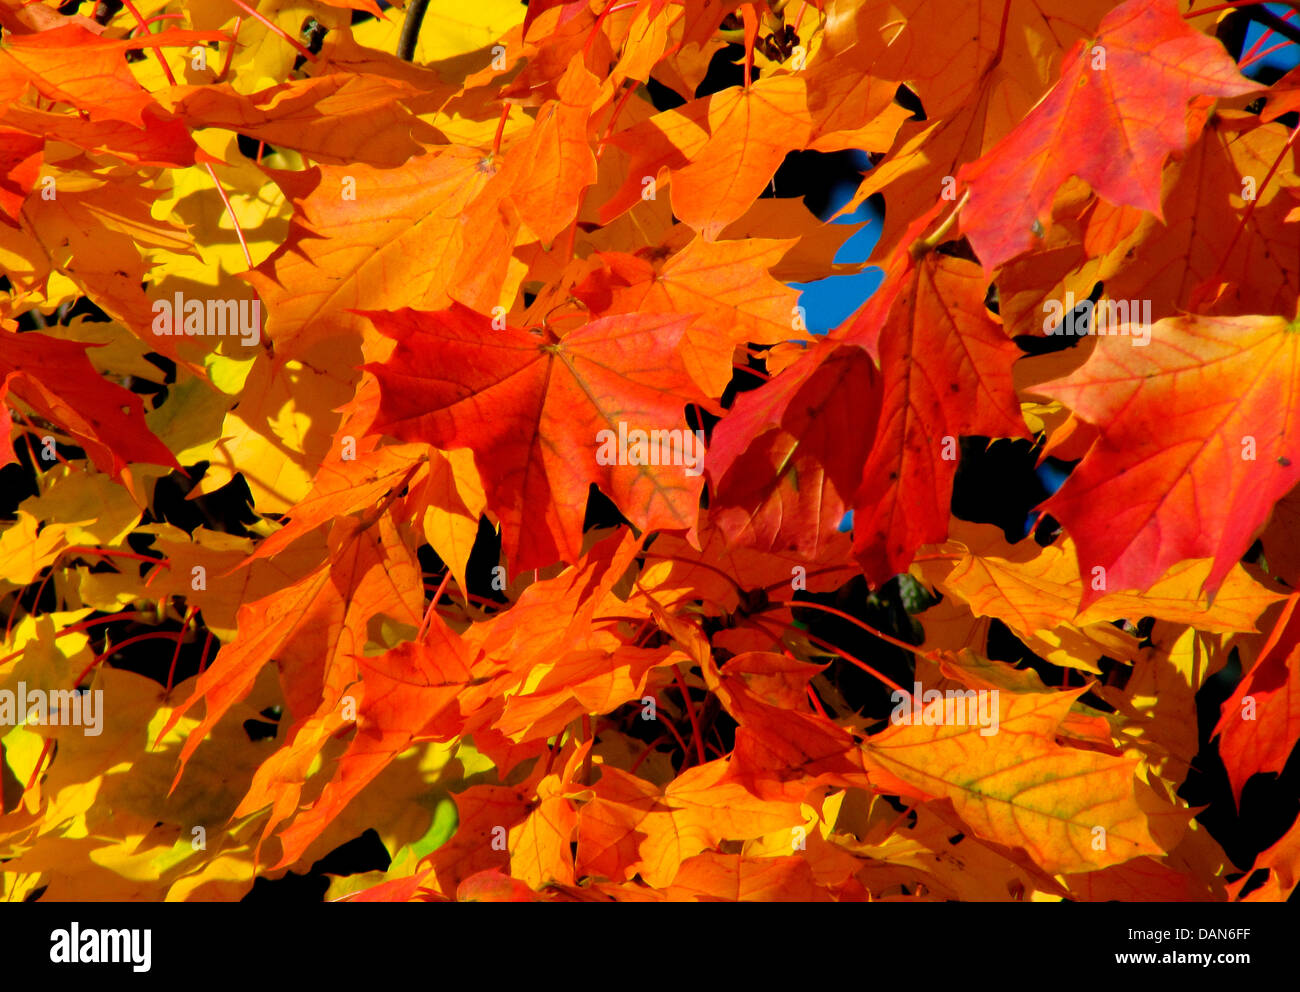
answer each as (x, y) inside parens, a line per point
(1262, 15)
(105, 9)
(411, 30)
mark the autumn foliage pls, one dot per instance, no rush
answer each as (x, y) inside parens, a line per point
(349, 423)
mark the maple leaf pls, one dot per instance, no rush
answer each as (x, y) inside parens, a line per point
(337, 118)
(977, 83)
(1260, 721)
(533, 409)
(1125, 94)
(1036, 794)
(492, 885)
(384, 247)
(776, 743)
(724, 283)
(765, 122)
(828, 384)
(313, 627)
(345, 487)
(1196, 438)
(1280, 859)
(442, 565)
(96, 234)
(21, 161)
(1168, 263)
(1036, 590)
(57, 380)
(544, 175)
(164, 142)
(69, 64)
(734, 878)
(407, 694)
(937, 309)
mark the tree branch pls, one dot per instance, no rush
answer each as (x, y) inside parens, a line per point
(1262, 15)
(105, 10)
(411, 30)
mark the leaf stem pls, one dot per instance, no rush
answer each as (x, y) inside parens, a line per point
(114, 649)
(230, 212)
(501, 129)
(1259, 42)
(176, 654)
(203, 655)
(923, 245)
(230, 53)
(153, 20)
(897, 820)
(1262, 15)
(786, 582)
(610, 8)
(800, 603)
(156, 49)
(1265, 54)
(690, 712)
(645, 754)
(613, 118)
(590, 739)
(78, 549)
(750, 15)
(827, 646)
(681, 742)
(305, 52)
(77, 627)
(428, 614)
(1002, 31)
(812, 698)
(45, 752)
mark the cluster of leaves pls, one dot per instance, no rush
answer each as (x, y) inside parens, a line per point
(536, 673)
